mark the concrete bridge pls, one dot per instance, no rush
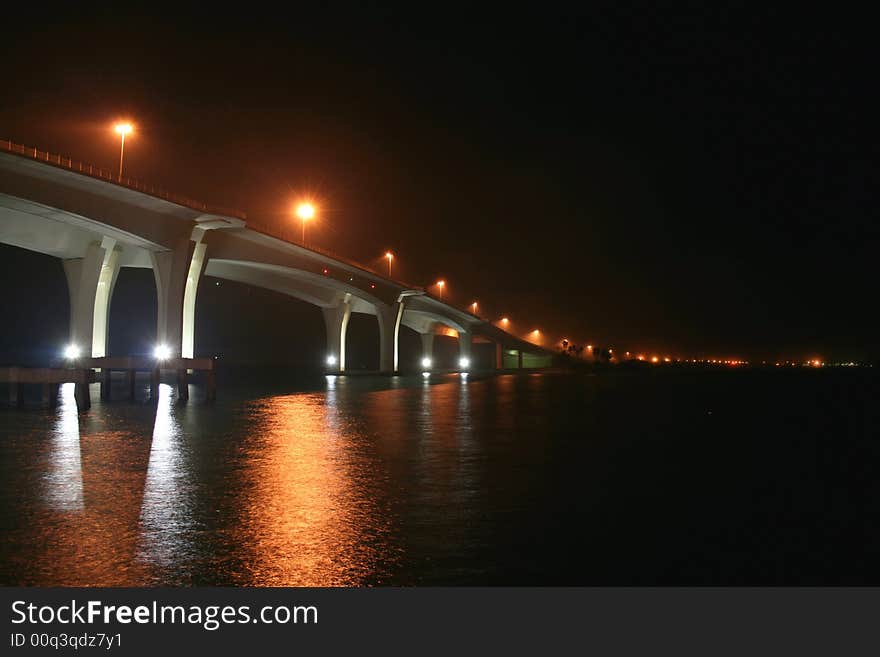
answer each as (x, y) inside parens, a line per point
(96, 224)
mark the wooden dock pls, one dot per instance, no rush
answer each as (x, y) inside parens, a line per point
(84, 371)
(48, 378)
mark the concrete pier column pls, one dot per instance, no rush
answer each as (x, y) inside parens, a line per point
(48, 394)
(210, 385)
(336, 322)
(106, 381)
(519, 358)
(155, 378)
(82, 396)
(465, 338)
(90, 281)
(499, 356)
(428, 347)
(194, 276)
(182, 386)
(171, 270)
(16, 394)
(389, 317)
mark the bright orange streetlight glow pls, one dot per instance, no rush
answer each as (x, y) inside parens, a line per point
(474, 307)
(305, 210)
(654, 359)
(440, 285)
(505, 321)
(390, 257)
(122, 129)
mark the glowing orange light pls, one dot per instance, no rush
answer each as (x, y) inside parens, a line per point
(474, 307)
(389, 255)
(305, 211)
(654, 359)
(123, 129)
(505, 321)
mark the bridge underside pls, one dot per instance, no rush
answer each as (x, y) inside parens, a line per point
(96, 227)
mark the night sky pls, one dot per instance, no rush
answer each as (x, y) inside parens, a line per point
(698, 183)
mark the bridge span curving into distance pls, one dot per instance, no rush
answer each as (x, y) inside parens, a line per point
(96, 224)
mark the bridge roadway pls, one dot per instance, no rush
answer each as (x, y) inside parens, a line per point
(97, 225)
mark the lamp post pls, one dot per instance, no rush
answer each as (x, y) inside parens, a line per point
(390, 257)
(474, 308)
(305, 211)
(122, 129)
(440, 285)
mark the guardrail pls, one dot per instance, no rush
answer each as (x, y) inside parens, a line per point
(110, 176)
(107, 175)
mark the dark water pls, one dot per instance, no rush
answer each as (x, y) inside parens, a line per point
(643, 478)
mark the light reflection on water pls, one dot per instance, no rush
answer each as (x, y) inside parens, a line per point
(526, 479)
(165, 533)
(299, 489)
(64, 484)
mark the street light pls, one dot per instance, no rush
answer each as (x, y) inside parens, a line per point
(305, 211)
(474, 307)
(122, 129)
(440, 285)
(390, 257)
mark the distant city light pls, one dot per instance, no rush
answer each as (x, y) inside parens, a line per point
(655, 359)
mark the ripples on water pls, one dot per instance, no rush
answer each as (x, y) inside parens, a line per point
(524, 479)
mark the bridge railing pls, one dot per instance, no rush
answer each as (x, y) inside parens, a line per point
(110, 176)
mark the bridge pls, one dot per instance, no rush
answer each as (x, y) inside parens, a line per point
(97, 223)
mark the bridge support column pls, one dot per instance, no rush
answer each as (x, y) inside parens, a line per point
(90, 281)
(428, 347)
(389, 330)
(336, 321)
(194, 276)
(464, 350)
(171, 270)
(499, 356)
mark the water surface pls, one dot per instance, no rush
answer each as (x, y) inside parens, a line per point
(639, 478)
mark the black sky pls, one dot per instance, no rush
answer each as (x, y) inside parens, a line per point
(694, 182)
